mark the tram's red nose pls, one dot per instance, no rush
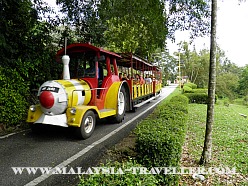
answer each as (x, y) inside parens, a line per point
(46, 99)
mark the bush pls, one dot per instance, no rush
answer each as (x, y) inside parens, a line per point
(200, 90)
(128, 178)
(13, 107)
(13, 103)
(200, 98)
(187, 89)
(160, 137)
(191, 85)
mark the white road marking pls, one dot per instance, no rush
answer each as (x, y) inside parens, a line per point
(65, 163)
(11, 134)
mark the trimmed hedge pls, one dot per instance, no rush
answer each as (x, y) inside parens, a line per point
(160, 137)
(191, 85)
(200, 98)
(200, 90)
(128, 178)
(187, 89)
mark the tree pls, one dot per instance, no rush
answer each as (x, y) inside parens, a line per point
(25, 40)
(243, 87)
(188, 15)
(139, 26)
(81, 18)
(228, 77)
(15, 29)
(226, 85)
(207, 149)
(194, 64)
(134, 26)
(169, 68)
(26, 55)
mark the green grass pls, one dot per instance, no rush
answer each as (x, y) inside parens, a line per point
(230, 136)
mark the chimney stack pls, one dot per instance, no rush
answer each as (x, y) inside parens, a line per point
(66, 71)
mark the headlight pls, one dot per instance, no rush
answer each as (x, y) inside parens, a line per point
(73, 111)
(33, 108)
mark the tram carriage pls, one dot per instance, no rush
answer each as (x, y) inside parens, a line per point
(91, 89)
(141, 93)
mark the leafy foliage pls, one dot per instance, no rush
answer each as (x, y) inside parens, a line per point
(243, 87)
(187, 89)
(82, 19)
(200, 97)
(140, 26)
(161, 136)
(245, 100)
(188, 15)
(226, 85)
(26, 55)
(191, 85)
(194, 65)
(119, 179)
(126, 37)
(13, 103)
(141, 30)
(15, 29)
(25, 41)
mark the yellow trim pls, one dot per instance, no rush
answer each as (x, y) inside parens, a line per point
(69, 88)
(72, 92)
(34, 116)
(87, 94)
(107, 112)
(76, 119)
(112, 96)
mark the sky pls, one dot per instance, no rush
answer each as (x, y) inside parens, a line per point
(232, 31)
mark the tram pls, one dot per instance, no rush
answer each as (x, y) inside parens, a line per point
(94, 86)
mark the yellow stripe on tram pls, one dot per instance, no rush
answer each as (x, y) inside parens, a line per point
(72, 95)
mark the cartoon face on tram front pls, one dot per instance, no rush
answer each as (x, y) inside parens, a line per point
(57, 95)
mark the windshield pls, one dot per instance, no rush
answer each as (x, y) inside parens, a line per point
(83, 65)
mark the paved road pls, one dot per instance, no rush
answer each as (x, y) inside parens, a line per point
(57, 147)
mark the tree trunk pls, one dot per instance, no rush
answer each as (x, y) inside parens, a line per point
(207, 149)
(196, 75)
(192, 74)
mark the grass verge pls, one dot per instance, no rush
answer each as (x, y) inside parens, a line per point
(230, 143)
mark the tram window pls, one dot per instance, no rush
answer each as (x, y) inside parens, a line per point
(90, 70)
(86, 65)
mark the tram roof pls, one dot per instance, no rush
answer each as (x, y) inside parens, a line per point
(84, 47)
(136, 62)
